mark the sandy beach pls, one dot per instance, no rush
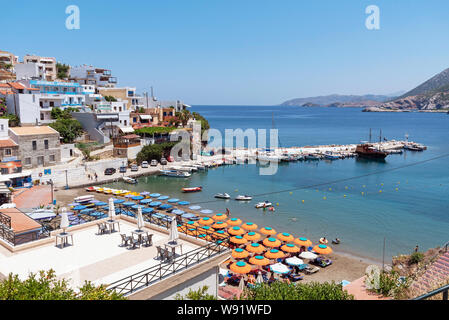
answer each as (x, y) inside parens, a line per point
(345, 266)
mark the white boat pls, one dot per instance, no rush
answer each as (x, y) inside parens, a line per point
(129, 180)
(222, 196)
(269, 158)
(192, 168)
(264, 204)
(174, 173)
(82, 199)
(178, 168)
(243, 198)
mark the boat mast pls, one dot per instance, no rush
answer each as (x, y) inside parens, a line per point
(369, 135)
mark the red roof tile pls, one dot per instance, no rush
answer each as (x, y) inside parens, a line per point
(16, 85)
(8, 143)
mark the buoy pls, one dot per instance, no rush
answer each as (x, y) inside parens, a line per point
(346, 188)
(302, 201)
(397, 189)
(364, 186)
(381, 184)
(291, 192)
(380, 191)
(277, 203)
(330, 189)
(236, 190)
(344, 196)
(363, 193)
(324, 198)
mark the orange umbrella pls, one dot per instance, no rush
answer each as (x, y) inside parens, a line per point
(252, 236)
(192, 224)
(239, 253)
(255, 248)
(220, 217)
(268, 231)
(219, 225)
(289, 247)
(249, 226)
(274, 254)
(236, 231)
(234, 222)
(322, 249)
(206, 221)
(287, 237)
(240, 267)
(238, 240)
(192, 232)
(259, 261)
(303, 242)
(272, 242)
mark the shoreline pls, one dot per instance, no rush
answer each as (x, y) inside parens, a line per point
(346, 265)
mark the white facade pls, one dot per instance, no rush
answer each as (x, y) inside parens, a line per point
(30, 70)
(4, 128)
(152, 102)
(86, 74)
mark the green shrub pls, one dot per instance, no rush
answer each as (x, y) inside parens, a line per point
(416, 257)
(45, 286)
(200, 294)
(300, 291)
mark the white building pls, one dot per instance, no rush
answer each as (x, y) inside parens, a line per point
(28, 71)
(86, 74)
(48, 62)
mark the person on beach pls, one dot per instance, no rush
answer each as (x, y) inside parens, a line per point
(96, 177)
(228, 213)
(416, 248)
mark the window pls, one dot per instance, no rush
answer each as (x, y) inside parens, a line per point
(52, 158)
(41, 104)
(34, 145)
(126, 123)
(52, 104)
(27, 161)
(46, 144)
(8, 152)
(42, 116)
(2, 127)
(4, 170)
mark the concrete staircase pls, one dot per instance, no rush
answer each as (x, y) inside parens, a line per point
(436, 273)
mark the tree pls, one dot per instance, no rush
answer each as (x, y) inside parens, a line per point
(204, 123)
(14, 120)
(300, 291)
(62, 70)
(45, 286)
(68, 128)
(154, 151)
(183, 116)
(110, 99)
(200, 294)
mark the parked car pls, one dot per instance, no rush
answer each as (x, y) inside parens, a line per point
(134, 167)
(163, 161)
(109, 171)
(123, 169)
(144, 164)
(153, 163)
(170, 159)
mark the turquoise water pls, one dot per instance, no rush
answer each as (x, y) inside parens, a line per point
(411, 209)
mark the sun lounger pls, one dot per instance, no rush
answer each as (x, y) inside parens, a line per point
(296, 277)
(322, 262)
(311, 270)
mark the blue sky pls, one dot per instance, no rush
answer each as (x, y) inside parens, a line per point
(240, 51)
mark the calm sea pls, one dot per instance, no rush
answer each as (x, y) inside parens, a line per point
(406, 207)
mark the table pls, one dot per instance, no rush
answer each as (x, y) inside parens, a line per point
(111, 224)
(173, 246)
(139, 234)
(64, 239)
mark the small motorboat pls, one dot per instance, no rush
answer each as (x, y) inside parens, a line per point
(336, 241)
(271, 209)
(243, 198)
(222, 196)
(194, 189)
(90, 189)
(82, 199)
(323, 241)
(264, 204)
(129, 180)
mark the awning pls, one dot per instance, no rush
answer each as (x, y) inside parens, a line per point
(145, 117)
(126, 129)
(8, 177)
(107, 117)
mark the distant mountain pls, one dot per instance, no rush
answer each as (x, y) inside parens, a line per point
(438, 83)
(336, 100)
(432, 95)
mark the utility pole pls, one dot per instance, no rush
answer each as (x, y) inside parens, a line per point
(66, 180)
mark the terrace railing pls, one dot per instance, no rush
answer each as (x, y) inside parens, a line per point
(161, 271)
(444, 290)
(5, 220)
(10, 236)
